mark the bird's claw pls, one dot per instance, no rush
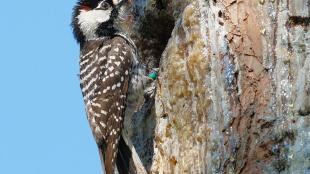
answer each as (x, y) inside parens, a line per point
(149, 92)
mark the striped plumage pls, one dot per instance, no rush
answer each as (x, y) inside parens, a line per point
(105, 65)
(108, 72)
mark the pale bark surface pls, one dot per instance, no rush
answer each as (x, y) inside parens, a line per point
(233, 94)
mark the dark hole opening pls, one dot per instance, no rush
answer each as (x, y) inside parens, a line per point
(154, 27)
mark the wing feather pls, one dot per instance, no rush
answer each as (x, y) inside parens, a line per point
(105, 76)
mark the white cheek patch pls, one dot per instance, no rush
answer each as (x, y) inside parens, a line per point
(90, 20)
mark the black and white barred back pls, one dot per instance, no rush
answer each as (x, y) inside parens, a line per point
(105, 73)
(109, 73)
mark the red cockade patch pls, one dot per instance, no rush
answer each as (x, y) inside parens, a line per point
(85, 7)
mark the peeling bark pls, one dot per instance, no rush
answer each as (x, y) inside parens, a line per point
(233, 95)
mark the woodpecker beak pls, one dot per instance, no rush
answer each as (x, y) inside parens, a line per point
(118, 3)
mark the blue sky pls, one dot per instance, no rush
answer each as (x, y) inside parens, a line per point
(43, 127)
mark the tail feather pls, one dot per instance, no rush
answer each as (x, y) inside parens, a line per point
(106, 152)
(122, 160)
(109, 161)
(101, 154)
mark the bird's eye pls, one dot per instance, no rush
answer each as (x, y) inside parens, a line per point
(105, 5)
(85, 7)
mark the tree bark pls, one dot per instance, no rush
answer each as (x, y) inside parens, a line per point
(233, 94)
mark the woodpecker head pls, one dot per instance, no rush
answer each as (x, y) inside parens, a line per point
(93, 19)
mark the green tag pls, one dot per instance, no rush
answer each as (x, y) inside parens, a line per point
(153, 75)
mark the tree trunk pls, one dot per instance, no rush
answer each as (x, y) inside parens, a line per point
(233, 94)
